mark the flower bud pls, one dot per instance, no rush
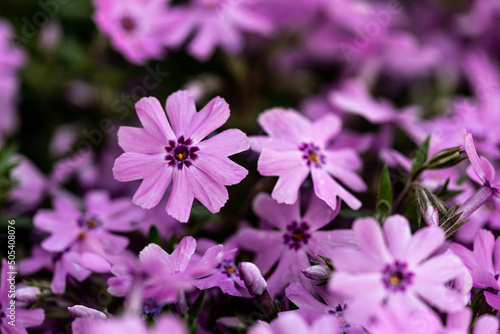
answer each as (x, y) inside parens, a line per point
(251, 276)
(318, 272)
(80, 311)
(431, 216)
(446, 158)
(27, 294)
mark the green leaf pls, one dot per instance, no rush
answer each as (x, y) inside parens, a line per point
(195, 309)
(384, 200)
(419, 161)
(154, 236)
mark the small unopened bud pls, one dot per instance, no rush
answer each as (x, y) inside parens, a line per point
(318, 272)
(80, 311)
(251, 276)
(431, 216)
(446, 158)
(27, 294)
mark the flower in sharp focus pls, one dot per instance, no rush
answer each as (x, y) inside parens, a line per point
(295, 238)
(296, 147)
(392, 263)
(161, 154)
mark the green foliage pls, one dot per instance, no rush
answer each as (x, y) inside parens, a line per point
(384, 199)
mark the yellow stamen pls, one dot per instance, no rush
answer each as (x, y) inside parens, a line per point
(91, 223)
(313, 157)
(395, 279)
(230, 269)
(181, 156)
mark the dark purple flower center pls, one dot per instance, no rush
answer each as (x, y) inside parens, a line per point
(89, 222)
(228, 268)
(312, 154)
(151, 308)
(128, 24)
(396, 276)
(296, 235)
(181, 153)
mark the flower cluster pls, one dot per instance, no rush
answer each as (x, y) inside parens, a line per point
(305, 166)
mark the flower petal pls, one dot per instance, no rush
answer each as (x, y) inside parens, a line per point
(328, 189)
(221, 169)
(139, 140)
(286, 123)
(212, 194)
(289, 167)
(326, 128)
(279, 215)
(153, 187)
(182, 253)
(134, 166)
(153, 118)
(209, 119)
(226, 143)
(181, 111)
(398, 234)
(369, 235)
(423, 243)
(181, 198)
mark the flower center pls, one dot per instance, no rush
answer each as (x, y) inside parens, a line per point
(88, 223)
(312, 154)
(181, 154)
(128, 24)
(296, 235)
(396, 276)
(228, 268)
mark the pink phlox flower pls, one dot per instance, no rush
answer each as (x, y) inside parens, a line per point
(218, 23)
(291, 322)
(296, 147)
(161, 154)
(136, 29)
(166, 275)
(88, 232)
(391, 262)
(292, 240)
(22, 318)
(226, 275)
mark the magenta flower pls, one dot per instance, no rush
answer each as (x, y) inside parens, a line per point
(11, 59)
(61, 264)
(485, 173)
(291, 322)
(218, 23)
(13, 318)
(160, 154)
(128, 324)
(226, 275)
(483, 263)
(397, 317)
(310, 307)
(136, 29)
(162, 275)
(295, 238)
(297, 147)
(391, 263)
(88, 231)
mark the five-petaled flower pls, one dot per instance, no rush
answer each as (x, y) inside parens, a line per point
(161, 154)
(297, 147)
